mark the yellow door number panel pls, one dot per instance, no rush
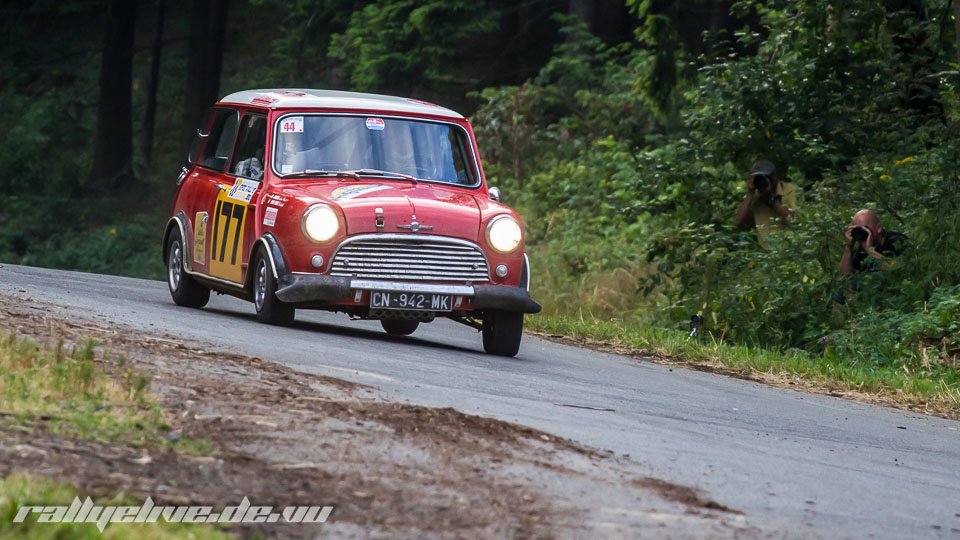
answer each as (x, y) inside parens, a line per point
(226, 245)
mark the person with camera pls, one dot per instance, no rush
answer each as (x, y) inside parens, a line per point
(767, 198)
(869, 247)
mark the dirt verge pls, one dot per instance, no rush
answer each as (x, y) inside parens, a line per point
(283, 437)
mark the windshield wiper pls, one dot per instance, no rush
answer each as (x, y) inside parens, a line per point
(310, 173)
(378, 172)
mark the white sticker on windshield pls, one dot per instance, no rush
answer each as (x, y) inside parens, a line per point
(376, 124)
(243, 190)
(286, 169)
(291, 124)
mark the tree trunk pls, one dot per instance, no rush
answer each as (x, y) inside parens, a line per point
(586, 11)
(207, 30)
(217, 32)
(956, 26)
(153, 83)
(113, 146)
(194, 95)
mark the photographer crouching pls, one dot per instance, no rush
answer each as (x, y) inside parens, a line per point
(869, 247)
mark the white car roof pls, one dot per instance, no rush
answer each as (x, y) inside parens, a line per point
(279, 98)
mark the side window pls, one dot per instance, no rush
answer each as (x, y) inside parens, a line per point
(219, 143)
(461, 161)
(195, 157)
(251, 144)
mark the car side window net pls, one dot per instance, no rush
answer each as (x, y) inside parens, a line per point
(429, 151)
(251, 145)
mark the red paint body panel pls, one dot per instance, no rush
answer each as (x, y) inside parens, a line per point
(452, 211)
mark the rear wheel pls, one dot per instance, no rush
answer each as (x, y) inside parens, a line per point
(183, 288)
(270, 309)
(399, 328)
(502, 331)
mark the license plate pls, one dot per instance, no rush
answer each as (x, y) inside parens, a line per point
(411, 301)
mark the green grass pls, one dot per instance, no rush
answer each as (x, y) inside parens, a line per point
(17, 490)
(940, 389)
(70, 393)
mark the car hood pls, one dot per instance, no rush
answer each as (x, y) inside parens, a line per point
(435, 209)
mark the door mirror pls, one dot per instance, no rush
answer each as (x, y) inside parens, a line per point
(495, 193)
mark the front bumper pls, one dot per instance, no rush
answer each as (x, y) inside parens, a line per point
(307, 288)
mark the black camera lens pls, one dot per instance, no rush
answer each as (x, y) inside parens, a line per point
(761, 181)
(859, 234)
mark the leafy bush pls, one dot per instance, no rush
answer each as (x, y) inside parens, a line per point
(631, 215)
(126, 249)
(84, 234)
(415, 41)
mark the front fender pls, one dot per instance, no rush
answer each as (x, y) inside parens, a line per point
(274, 252)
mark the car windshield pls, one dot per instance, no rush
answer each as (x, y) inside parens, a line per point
(429, 151)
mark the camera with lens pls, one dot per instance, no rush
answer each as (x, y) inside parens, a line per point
(860, 234)
(761, 181)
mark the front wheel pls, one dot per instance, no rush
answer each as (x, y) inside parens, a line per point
(183, 288)
(270, 309)
(502, 331)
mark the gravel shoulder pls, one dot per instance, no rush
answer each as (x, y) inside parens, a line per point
(283, 437)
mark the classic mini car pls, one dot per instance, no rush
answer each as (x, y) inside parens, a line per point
(374, 206)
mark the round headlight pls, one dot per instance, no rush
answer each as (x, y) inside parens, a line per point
(320, 223)
(504, 234)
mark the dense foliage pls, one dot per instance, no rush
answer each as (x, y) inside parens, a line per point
(626, 154)
(630, 203)
(53, 212)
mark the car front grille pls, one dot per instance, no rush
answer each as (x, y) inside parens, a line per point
(400, 257)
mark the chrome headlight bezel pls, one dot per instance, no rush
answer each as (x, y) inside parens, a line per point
(504, 240)
(329, 227)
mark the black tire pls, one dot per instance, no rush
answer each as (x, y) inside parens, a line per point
(183, 288)
(502, 332)
(269, 308)
(399, 328)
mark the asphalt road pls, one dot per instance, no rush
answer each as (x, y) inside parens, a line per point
(798, 465)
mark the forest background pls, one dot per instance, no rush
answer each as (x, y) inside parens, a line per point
(621, 131)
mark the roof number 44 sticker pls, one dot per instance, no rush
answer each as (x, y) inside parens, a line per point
(376, 124)
(291, 124)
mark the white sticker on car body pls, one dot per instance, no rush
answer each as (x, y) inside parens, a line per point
(243, 190)
(270, 216)
(276, 200)
(352, 192)
(200, 237)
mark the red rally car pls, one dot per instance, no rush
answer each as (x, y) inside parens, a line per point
(371, 205)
